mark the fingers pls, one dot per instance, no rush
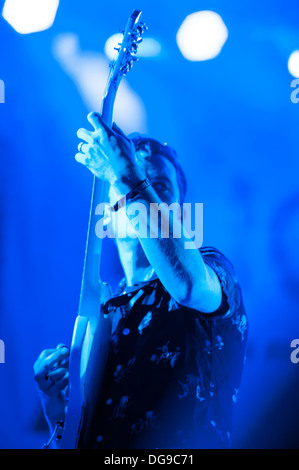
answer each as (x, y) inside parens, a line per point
(86, 135)
(63, 381)
(57, 380)
(113, 143)
(56, 387)
(91, 161)
(38, 363)
(82, 158)
(83, 148)
(100, 148)
(57, 374)
(98, 122)
(54, 359)
(50, 359)
(102, 132)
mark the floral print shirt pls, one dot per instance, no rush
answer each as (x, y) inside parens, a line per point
(173, 373)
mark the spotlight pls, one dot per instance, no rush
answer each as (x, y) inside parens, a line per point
(202, 35)
(30, 16)
(293, 64)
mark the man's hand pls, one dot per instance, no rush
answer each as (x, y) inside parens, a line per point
(108, 154)
(51, 372)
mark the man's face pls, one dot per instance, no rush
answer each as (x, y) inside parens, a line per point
(162, 175)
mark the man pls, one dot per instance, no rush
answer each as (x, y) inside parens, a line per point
(179, 329)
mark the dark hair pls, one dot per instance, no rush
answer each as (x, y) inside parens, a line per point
(141, 142)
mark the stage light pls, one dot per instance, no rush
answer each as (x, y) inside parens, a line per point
(202, 35)
(149, 47)
(293, 64)
(30, 16)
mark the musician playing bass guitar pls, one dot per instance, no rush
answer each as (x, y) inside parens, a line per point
(178, 325)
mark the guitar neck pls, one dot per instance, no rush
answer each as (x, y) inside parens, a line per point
(91, 281)
(92, 263)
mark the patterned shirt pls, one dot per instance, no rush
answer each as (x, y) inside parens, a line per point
(173, 373)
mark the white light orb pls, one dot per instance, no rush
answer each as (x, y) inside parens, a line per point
(30, 16)
(293, 64)
(202, 35)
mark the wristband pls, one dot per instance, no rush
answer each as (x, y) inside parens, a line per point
(131, 194)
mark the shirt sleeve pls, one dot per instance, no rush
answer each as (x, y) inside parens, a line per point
(231, 292)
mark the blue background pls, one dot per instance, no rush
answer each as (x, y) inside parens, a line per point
(232, 122)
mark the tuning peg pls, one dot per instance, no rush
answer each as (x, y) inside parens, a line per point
(137, 40)
(125, 69)
(128, 65)
(134, 48)
(141, 28)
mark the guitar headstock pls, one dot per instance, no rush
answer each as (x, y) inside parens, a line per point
(127, 50)
(126, 56)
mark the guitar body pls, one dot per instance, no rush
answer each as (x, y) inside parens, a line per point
(91, 334)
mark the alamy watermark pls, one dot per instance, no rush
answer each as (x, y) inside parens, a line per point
(2, 92)
(2, 352)
(295, 93)
(295, 353)
(159, 220)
